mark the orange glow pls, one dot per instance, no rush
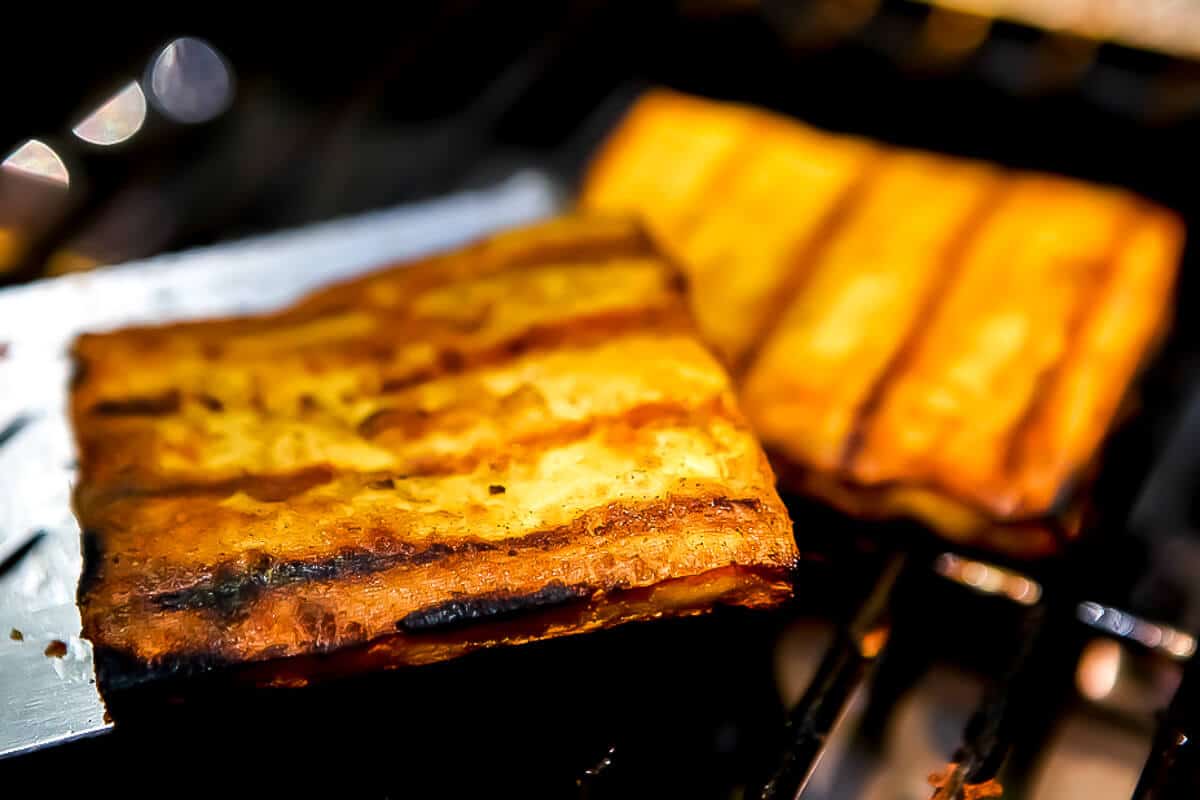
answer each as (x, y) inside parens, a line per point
(12, 246)
(988, 578)
(1098, 669)
(871, 645)
(67, 261)
(950, 36)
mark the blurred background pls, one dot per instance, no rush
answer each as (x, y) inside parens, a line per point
(126, 135)
(157, 133)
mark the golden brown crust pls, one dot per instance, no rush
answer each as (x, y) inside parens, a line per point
(904, 325)
(524, 419)
(780, 189)
(458, 627)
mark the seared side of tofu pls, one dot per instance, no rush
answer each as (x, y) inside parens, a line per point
(914, 335)
(526, 423)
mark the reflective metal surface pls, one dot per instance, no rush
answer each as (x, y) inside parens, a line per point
(116, 120)
(46, 699)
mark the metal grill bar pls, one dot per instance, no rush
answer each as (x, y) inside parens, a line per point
(988, 734)
(1173, 768)
(845, 667)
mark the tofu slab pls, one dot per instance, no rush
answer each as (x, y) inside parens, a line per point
(912, 334)
(527, 431)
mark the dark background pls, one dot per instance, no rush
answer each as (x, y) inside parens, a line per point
(339, 112)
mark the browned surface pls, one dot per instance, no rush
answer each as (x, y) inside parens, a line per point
(914, 334)
(687, 596)
(526, 423)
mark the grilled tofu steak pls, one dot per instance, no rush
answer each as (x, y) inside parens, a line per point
(912, 335)
(521, 439)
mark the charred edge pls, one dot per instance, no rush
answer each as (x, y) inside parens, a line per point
(794, 476)
(79, 371)
(952, 260)
(577, 331)
(805, 258)
(455, 613)
(796, 483)
(92, 573)
(237, 584)
(149, 406)
(119, 669)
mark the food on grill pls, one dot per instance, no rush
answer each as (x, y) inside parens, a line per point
(913, 335)
(518, 440)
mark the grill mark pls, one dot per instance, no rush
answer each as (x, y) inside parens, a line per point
(624, 423)
(280, 487)
(413, 423)
(805, 257)
(494, 605)
(579, 331)
(236, 583)
(1015, 453)
(159, 405)
(952, 263)
(265, 488)
(632, 243)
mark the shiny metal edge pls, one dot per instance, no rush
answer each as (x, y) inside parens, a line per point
(47, 700)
